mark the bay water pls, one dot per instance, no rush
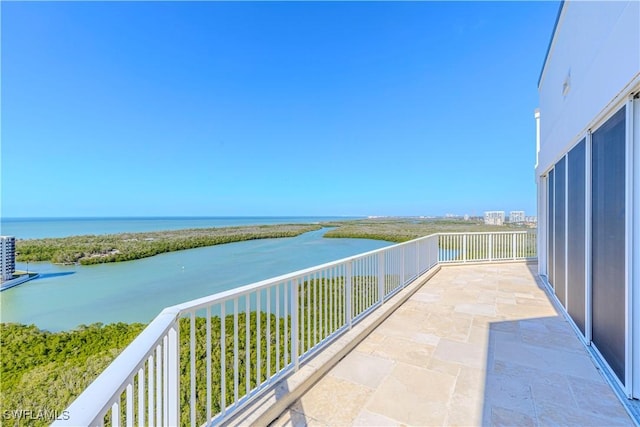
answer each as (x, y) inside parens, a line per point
(34, 228)
(64, 297)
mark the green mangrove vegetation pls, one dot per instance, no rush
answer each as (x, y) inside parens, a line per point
(96, 249)
(41, 370)
(400, 230)
(44, 371)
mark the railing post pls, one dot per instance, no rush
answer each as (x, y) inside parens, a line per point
(347, 292)
(464, 248)
(490, 247)
(295, 328)
(513, 244)
(381, 277)
(417, 251)
(402, 265)
(427, 254)
(173, 374)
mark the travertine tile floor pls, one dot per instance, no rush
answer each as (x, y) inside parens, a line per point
(476, 345)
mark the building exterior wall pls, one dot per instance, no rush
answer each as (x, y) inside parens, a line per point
(7, 257)
(588, 177)
(596, 51)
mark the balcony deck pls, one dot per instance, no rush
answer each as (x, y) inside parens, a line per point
(475, 345)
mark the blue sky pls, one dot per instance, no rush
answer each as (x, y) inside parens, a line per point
(270, 108)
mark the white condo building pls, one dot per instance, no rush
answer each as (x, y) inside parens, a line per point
(588, 179)
(494, 217)
(7, 257)
(516, 217)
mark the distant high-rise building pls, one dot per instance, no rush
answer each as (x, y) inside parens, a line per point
(516, 217)
(7, 257)
(494, 217)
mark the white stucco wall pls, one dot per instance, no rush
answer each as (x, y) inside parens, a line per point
(597, 44)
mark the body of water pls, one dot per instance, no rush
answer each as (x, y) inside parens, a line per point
(65, 297)
(34, 228)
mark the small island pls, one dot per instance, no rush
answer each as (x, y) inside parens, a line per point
(98, 249)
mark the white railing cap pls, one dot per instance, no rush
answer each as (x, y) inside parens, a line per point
(243, 290)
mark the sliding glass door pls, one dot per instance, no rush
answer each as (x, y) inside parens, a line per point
(576, 265)
(608, 242)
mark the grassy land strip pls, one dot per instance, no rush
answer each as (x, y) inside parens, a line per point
(96, 249)
(402, 229)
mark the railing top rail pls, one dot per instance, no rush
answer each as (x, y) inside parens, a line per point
(114, 379)
(243, 290)
(533, 231)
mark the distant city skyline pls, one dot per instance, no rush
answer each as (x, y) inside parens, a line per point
(269, 108)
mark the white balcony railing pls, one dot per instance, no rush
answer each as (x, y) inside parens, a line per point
(486, 247)
(200, 362)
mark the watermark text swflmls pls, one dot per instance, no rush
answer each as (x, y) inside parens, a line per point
(35, 414)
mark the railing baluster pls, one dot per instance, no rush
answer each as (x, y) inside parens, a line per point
(209, 373)
(151, 415)
(285, 346)
(115, 414)
(258, 339)
(192, 373)
(347, 294)
(295, 317)
(464, 248)
(247, 343)
(326, 303)
(277, 328)
(141, 408)
(165, 379)
(223, 358)
(334, 300)
(173, 375)
(129, 409)
(308, 291)
(370, 275)
(315, 309)
(381, 277)
(158, 385)
(235, 350)
(268, 335)
(402, 278)
(354, 290)
(300, 316)
(357, 286)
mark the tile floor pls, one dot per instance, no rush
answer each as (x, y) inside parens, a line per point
(476, 345)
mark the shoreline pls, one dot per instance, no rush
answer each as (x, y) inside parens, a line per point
(129, 246)
(8, 284)
(99, 249)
